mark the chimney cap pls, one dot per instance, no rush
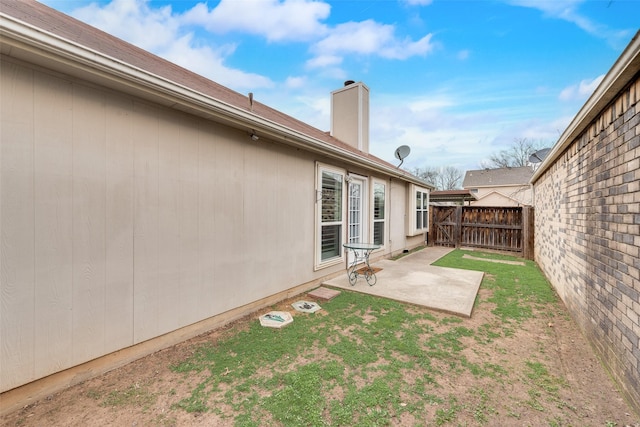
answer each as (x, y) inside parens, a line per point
(349, 82)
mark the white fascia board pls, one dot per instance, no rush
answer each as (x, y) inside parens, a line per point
(20, 35)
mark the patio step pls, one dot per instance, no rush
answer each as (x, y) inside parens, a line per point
(323, 293)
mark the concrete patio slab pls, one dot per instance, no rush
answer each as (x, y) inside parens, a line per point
(412, 279)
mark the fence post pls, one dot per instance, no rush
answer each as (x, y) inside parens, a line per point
(431, 233)
(457, 231)
(528, 232)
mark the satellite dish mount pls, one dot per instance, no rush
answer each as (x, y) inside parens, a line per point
(401, 153)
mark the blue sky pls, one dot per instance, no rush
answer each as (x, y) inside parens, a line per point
(456, 80)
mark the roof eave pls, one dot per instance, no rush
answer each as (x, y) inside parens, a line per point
(24, 41)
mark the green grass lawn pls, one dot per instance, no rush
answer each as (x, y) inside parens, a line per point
(365, 361)
(516, 289)
(369, 361)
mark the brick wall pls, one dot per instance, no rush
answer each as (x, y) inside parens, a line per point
(587, 231)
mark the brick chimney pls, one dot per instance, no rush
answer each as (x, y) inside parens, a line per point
(350, 114)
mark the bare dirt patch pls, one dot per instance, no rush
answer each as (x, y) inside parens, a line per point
(541, 372)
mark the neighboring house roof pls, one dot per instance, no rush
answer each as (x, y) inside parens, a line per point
(459, 196)
(497, 177)
(118, 64)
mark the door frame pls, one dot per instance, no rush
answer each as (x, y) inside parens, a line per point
(363, 212)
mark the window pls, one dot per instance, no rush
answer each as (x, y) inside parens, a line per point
(418, 210)
(379, 217)
(330, 214)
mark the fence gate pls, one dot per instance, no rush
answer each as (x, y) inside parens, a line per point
(488, 227)
(443, 226)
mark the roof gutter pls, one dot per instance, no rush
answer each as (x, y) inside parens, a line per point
(618, 76)
(18, 36)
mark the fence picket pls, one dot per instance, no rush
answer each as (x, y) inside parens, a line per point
(497, 228)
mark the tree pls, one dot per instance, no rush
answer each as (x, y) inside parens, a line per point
(447, 178)
(450, 178)
(515, 156)
(428, 174)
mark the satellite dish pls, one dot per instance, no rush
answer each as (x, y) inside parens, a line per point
(402, 152)
(539, 155)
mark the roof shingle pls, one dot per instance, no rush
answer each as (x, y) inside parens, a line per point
(497, 177)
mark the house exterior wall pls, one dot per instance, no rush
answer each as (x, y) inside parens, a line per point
(122, 220)
(398, 239)
(587, 228)
(516, 195)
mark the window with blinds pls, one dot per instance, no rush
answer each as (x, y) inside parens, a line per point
(331, 222)
(379, 219)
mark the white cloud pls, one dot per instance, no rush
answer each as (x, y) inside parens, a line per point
(370, 38)
(173, 36)
(274, 20)
(301, 99)
(295, 82)
(358, 37)
(160, 31)
(207, 62)
(463, 55)
(427, 105)
(445, 127)
(322, 61)
(580, 91)
(134, 21)
(435, 128)
(567, 10)
(417, 2)
(555, 8)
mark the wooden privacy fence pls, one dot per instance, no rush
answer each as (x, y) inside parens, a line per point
(487, 227)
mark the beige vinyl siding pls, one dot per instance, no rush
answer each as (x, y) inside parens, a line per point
(17, 232)
(397, 231)
(53, 225)
(122, 221)
(119, 225)
(87, 151)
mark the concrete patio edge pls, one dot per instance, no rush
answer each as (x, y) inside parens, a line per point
(412, 279)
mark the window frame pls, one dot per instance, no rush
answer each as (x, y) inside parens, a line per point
(413, 209)
(319, 224)
(365, 208)
(384, 220)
